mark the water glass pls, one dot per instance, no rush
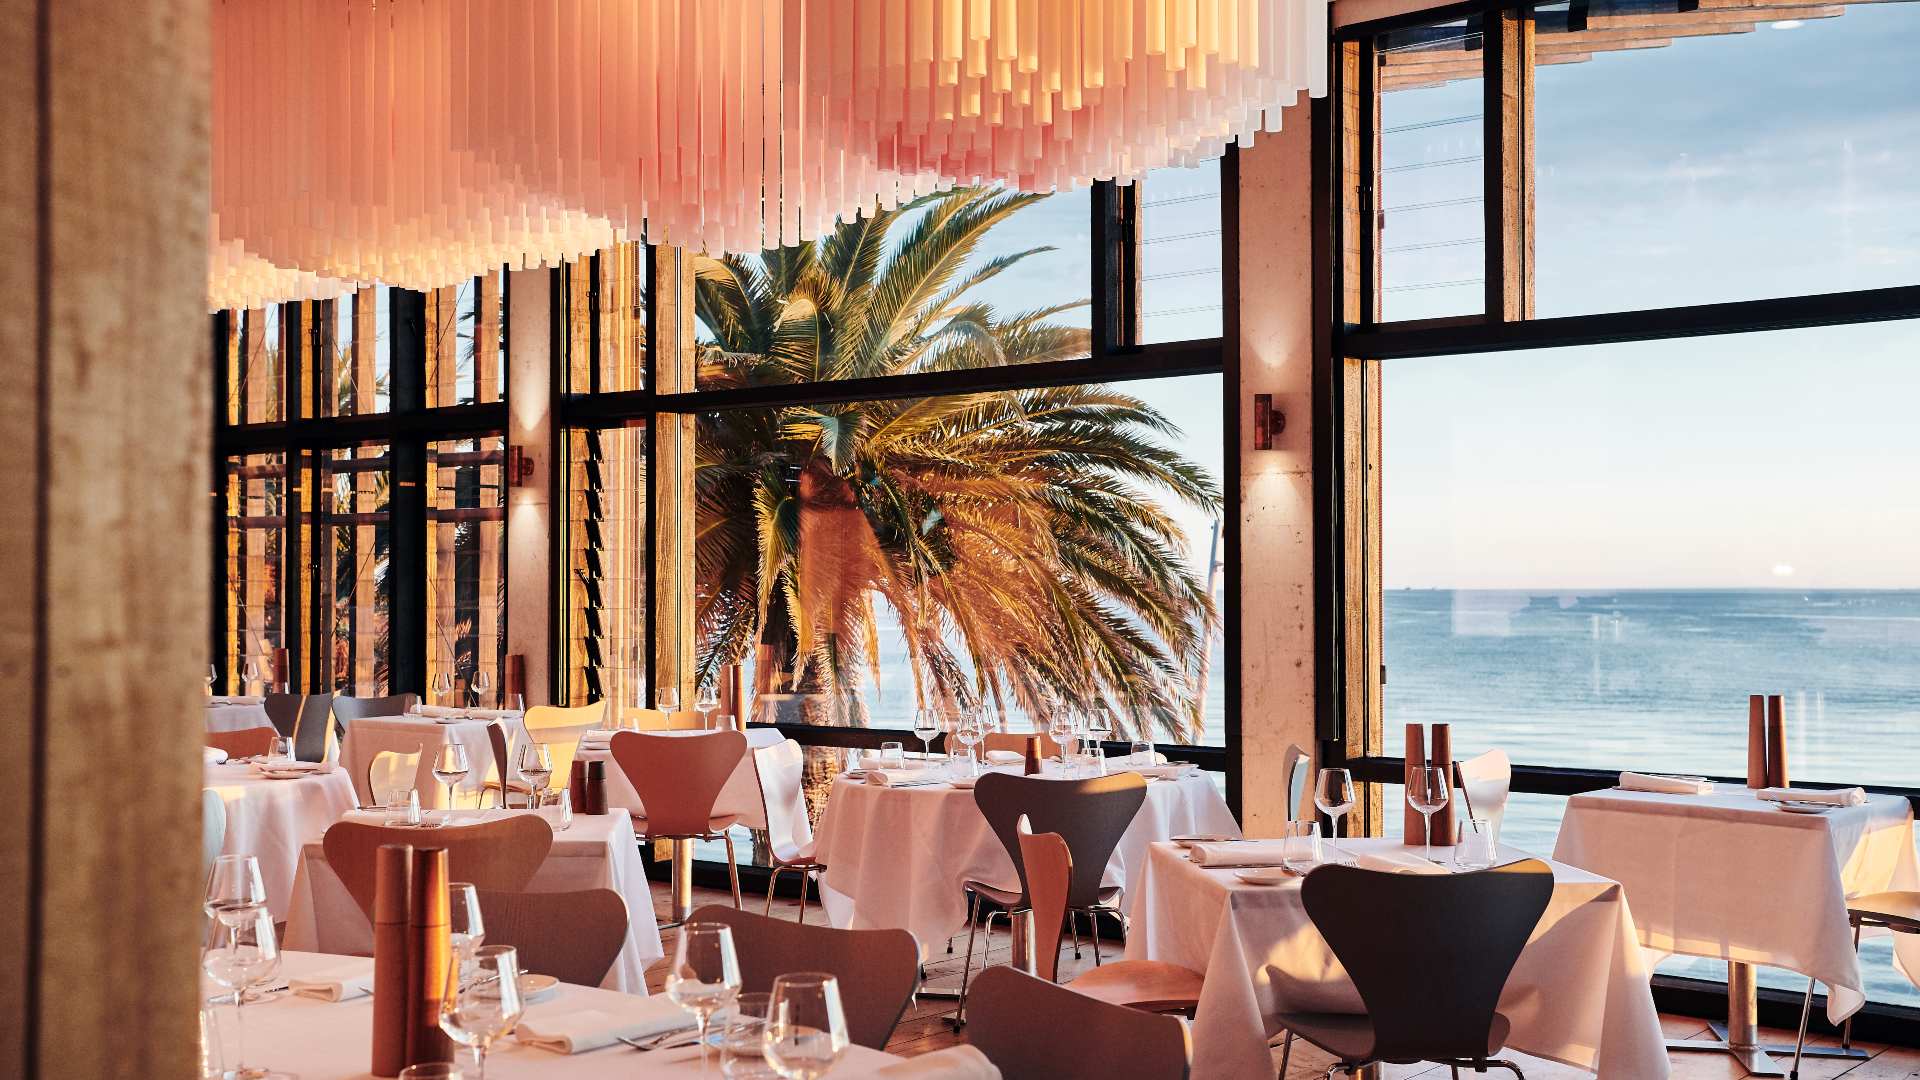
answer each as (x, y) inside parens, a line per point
(1300, 846)
(806, 1031)
(705, 976)
(432, 1070)
(959, 759)
(726, 721)
(1094, 761)
(486, 1007)
(1142, 752)
(1475, 847)
(893, 755)
(403, 807)
(466, 929)
(213, 1063)
(557, 808)
(280, 749)
(235, 890)
(250, 957)
(536, 768)
(743, 1037)
(1333, 795)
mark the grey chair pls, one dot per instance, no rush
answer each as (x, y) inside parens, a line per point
(1091, 815)
(348, 709)
(1033, 1030)
(878, 970)
(1297, 768)
(1429, 954)
(310, 729)
(573, 936)
(283, 711)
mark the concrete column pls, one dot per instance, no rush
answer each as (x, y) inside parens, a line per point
(1276, 486)
(530, 506)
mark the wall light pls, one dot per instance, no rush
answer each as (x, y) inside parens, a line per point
(1268, 422)
(519, 466)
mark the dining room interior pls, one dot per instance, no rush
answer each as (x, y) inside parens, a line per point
(956, 539)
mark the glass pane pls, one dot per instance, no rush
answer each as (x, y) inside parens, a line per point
(1180, 283)
(351, 358)
(466, 568)
(465, 349)
(350, 547)
(976, 277)
(1782, 156)
(256, 366)
(257, 493)
(1431, 259)
(607, 315)
(606, 576)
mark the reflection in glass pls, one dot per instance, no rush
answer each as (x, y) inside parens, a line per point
(255, 542)
(351, 543)
(466, 351)
(1180, 282)
(1430, 257)
(466, 561)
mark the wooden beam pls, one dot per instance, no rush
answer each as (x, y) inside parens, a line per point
(1508, 100)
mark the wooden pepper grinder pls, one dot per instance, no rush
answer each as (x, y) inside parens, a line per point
(1776, 741)
(596, 787)
(430, 956)
(577, 786)
(392, 900)
(1756, 741)
(1441, 755)
(1033, 755)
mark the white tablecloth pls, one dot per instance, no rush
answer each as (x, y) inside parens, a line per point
(236, 717)
(740, 796)
(405, 734)
(273, 819)
(320, 1040)
(596, 853)
(1730, 876)
(896, 857)
(1579, 994)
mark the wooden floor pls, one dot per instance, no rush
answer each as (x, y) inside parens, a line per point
(925, 1026)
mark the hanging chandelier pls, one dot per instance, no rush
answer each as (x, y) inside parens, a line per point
(419, 142)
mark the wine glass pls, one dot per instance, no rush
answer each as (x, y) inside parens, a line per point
(536, 767)
(970, 729)
(806, 1030)
(668, 700)
(476, 1013)
(1099, 728)
(705, 975)
(482, 683)
(213, 676)
(1427, 792)
(250, 957)
(707, 704)
(1060, 730)
(235, 890)
(450, 767)
(249, 675)
(1333, 794)
(466, 929)
(443, 687)
(926, 724)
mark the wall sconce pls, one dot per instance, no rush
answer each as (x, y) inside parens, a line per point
(519, 466)
(1268, 422)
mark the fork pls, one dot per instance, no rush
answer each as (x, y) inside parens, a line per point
(657, 1042)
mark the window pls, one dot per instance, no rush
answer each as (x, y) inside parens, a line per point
(1432, 261)
(256, 367)
(466, 570)
(352, 545)
(257, 499)
(1181, 295)
(350, 368)
(466, 343)
(604, 592)
(606, 305)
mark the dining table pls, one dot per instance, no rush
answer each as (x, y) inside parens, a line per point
(272, 819)
(896, 857)
(1734, 877)
(412, 732)
(236, 714)
(332, 1040)
(596, 851)
(1579, 995)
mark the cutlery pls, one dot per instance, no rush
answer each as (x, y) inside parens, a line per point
(655, 1042)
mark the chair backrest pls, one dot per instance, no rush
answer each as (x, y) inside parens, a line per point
(348, 709)
(572, 936)
(283, 711)
(310, 730)
(1033, 1030)
(391, 770)
(502, 762)
(780, 769)
(878, 969)
(1296, 768)
(1487, 780)
(1429, 953)
(1090, 814)
(634, 719)
(246, 742)
(213, 826)
(1049, 867)
(559, 728)
(503, 854)
(1001, 740)
(678, 777)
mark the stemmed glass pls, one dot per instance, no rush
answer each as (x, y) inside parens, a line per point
(450, 767)
(970, 729)
(667, 700)
(1099, 729)
(249, 675)
(235, 890)
(1060, 729)
(1333, 794)
(806, 1030)
(213, 676)
(478, 1012)
(926, 724)
(465, 927)
(536, 766)
(705, 976)
(1427, 792)
(250, 957)
(443, 687)
(482, 683)
(706, 705)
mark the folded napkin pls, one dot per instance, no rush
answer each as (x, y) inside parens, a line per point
(1005, 757)
(1666, 785)
(1237, 853)
(903, 777)
(1851, 796)
(953, 1063)
(576, 1031)
(597, 736)
(213, 754)
(1164, 772)
(291, 768)
(1396, 862)
(236, 699)
(433, 711)
(341, 982)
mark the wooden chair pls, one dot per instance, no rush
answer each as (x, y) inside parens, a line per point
(283, 711)
(654, 720)
(878, 970)
(391, 770)
(1033, 1030)
(1001, 740)
(1139, 984)
(573, 936)
(246, 742)
(1296, 766)
(790, 845)
(559, 729)
(1429, 954)
(501, 855)
(678, 780)
(503, 783)
(311, 729)
(1486, 781)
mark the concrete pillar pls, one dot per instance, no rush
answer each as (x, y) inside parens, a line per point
(530, 407)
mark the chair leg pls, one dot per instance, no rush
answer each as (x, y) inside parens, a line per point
(966, 970)
(804, 875)
(1286, 1055)
(1093, 934)
(1505, 1064)
(1073, 927)
(1800, 1040)
(733, 871)
(771, 878)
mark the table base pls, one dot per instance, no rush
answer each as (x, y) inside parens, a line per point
(1023, 957)
(1739, 1037)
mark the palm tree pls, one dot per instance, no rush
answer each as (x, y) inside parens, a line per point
(1013, 534)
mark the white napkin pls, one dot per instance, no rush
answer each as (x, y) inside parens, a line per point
(1395, 862)
(1005, 757)
(342, 982)
(236, 699)
(1851, 796)
(953, 1063)
(213, 754)
(574, 1031)
(1164, 772)
(597, 737)
(1666, 785)
(433, 711)
(1240, 853)
(902, 777)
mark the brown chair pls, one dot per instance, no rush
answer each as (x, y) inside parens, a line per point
(572, 936)
(1151, 985)
(391, 770)
(655, 720)
(503, 783)
(878, 969)
(1429, 954)
(246, 742)
(1033, 1030)
(1001, 740)
(678, 778)
(559, 729)
(780, 769)
(500, 855)
(1091, 815)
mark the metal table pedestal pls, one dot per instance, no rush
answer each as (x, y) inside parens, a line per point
(1739, 1037)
